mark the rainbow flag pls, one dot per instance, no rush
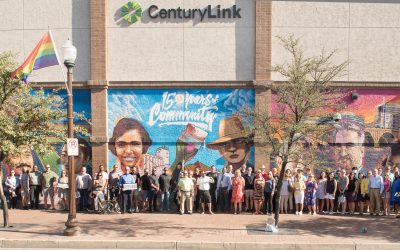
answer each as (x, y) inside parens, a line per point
(43, 55)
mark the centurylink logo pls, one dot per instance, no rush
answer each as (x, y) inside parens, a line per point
(132, 12)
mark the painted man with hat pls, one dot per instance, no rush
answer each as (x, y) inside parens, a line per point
(232, 144)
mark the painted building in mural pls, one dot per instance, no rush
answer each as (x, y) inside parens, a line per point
(162, 81)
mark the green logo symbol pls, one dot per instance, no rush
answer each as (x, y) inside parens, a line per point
(131, 12)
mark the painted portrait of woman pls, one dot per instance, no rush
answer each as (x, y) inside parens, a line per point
(129, 142)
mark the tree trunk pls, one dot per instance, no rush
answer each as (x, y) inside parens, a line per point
(4, 202)
(278, 192)
(6, 218)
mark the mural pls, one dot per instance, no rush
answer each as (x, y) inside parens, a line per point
(161, 128)
(367, 136)
(58, 158)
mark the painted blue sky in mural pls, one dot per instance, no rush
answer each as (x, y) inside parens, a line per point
(165, 114)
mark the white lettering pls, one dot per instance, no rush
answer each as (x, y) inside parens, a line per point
(197, 109)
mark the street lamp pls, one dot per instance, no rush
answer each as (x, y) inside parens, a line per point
(72, 228)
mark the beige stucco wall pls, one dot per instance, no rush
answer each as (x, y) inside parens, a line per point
(24, 22)
(366, 33)
(176, 50)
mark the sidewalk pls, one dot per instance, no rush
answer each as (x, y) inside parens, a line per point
(43, 229)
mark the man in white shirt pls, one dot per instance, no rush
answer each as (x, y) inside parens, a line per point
(203, 183)
(83, 186)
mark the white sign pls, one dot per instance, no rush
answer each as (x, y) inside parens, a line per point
(62, 185)
(72, 147)
(127, 187)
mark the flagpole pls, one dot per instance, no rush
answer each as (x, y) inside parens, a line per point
(59, 64)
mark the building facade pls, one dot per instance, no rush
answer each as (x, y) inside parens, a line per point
(178, 71)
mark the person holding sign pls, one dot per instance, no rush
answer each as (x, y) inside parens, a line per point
(126, 184)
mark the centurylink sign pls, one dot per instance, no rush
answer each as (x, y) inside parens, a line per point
(133, 12)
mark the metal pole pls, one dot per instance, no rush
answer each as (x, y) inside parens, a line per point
(72, 228)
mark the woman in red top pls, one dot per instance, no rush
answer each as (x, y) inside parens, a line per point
(237, 191)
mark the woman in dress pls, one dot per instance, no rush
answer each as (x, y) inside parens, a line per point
(343, 183)
(24, 182)
(285, 192)
(299, 186)
(258, 195)
(62, 189)
(321, 192)
(351, 192)
(237, 191)
(387, 185)
(310, 195)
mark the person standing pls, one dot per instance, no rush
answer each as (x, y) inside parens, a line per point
(269, 193)
(113, 183)
(203, 183)
(387, 185)
(104, 176)
(343, 183)
(146, 185)
(275, 175)
(213, 187)
(35, 187)
(196, 176)
(99, 190)
(11, 184)
(238, 189)
(224, 184)
(249, 189)
(24, 184)
(375, 189)
(154, 187)
(330, 191)
(258, 195)
(229, 171)
(310, 194)
(48, 180)
(299, 186)
(136, 192)
(285, 192)
(62, 190)
(243, 170)
(125, 180)
(321, 192)
(83, 186)
(351, 192)
(362, 194)
(165, 184)
(185, 186)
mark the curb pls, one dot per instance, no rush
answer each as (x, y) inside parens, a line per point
(183, 245)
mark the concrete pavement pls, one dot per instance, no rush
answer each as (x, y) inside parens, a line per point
(43, 229)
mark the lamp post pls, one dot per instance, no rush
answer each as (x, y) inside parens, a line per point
(72, 228)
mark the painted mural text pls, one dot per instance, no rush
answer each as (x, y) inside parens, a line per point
(176, 109)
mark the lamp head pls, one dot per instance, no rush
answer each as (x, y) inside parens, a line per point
(69, 53)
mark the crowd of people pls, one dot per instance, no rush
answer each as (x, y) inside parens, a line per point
(375, 192)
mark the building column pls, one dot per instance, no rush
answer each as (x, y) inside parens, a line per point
(262, 74)
(98, 82)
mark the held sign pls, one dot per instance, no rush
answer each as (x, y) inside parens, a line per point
(72, 147)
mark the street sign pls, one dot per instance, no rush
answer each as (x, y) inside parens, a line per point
(72, 147)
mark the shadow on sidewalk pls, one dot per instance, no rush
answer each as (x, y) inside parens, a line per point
(336, 226)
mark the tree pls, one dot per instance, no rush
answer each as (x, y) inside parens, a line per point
(27, 118)
(305, 102)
